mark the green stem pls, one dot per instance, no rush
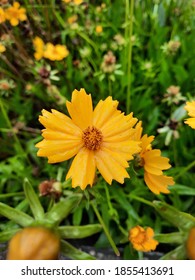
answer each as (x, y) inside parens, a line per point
(11, 194)
(105, 229)
(5, 115)
(129, 56)
(184, 170)
(141, 199)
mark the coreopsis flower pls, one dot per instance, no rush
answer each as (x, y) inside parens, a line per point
(57, 52)
(34, 243)
(153, 163)
(99, 29)
(190, 108)
(99, 138)
(2, 48)
(39, 48)
(15, 14)
(142, 239)
(2, 15)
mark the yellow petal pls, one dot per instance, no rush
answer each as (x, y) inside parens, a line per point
(80, 108)
(109, 168)
(82, 170)
(59, 122)
(104, 111)
(158, 184)
(190, 122)
(127, 148)
(190, 107)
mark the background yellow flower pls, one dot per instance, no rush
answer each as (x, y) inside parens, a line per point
(15, 14)
(190, 108)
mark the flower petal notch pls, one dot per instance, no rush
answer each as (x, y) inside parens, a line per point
(97, 139)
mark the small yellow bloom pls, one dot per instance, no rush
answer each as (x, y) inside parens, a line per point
(153, 163)
(2, 15)
(190, 108)
(75, 2)
(2, 48)
(57, 52)
(15, 14)
(34, 243)
(142, 239)
(72, 19)
(39, 48)
(99, 138)
(99, 29)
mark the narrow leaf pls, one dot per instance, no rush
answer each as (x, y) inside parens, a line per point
(15, 215)
(73, 253)
(6, 235)
(33, 200)
(76, 232)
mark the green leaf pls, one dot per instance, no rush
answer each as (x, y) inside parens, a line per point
(178, 253)
(173, 237)
(73, 253)
(63, 208)
(77, 232)
(181, 220)
(182, 190)
(33, 200)
(6, 235)
(15, 215)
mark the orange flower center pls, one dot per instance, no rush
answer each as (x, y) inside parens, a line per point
(92, 138)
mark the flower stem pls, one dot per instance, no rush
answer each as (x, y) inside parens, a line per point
(105, 229)
(129, 55)
(184, 170)
(141, 199)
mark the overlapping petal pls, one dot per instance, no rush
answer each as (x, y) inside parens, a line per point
(80, 109)
(158, 183)
(82, 170)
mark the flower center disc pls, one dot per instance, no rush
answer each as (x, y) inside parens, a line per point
(92, 138)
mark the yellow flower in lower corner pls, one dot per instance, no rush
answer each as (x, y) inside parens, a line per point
(153, 163)
(142, 239)
(190, 108)
(15, 14)
(98, 138)
(57, 52)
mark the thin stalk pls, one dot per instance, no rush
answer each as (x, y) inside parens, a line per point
(141, 199)
(105, 229)
(184, 170)
(129, 56)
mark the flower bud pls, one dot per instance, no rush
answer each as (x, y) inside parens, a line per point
(34, 243)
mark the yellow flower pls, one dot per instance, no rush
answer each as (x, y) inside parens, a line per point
(142, 239)
(76, 2)
(39, 48)
(153, 163)
(57, 52)
(98, 138)
(72, 19)
(34, 243)
(99, 29)
(2, 15)
(190, 108)
(15, 14)
(2, 48)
